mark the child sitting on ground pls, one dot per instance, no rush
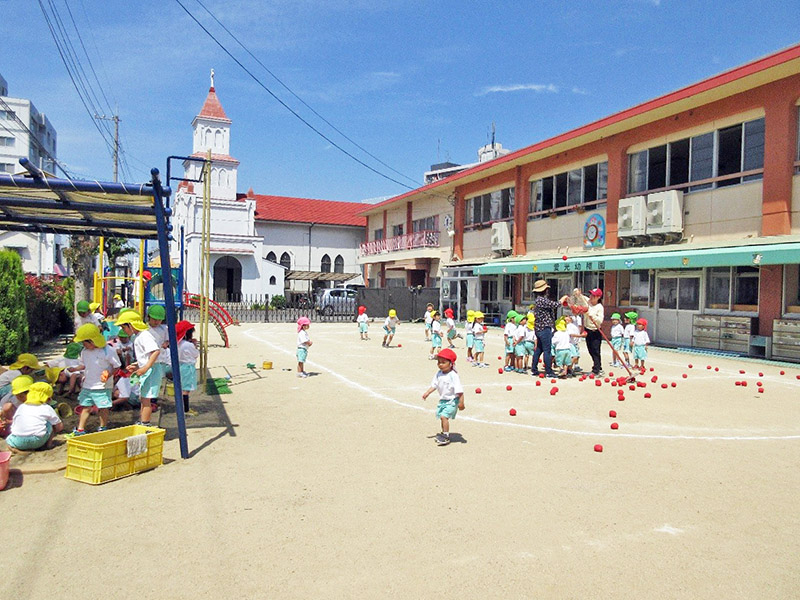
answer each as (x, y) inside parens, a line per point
(98, 362)
(362, 320)
(640, 343)
(303, 344)
(35, 422)
(187, 357)
(451, 393)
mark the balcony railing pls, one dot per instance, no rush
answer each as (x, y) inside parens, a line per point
(409, 241)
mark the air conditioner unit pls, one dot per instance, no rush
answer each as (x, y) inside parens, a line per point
(665, 212)
(631, 216)
(501, 236)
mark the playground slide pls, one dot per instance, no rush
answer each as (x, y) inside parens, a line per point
(216, 312)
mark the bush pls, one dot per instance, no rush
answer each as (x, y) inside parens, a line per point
(13, 317)
(277, 301)
(257, 306)
(49, 306)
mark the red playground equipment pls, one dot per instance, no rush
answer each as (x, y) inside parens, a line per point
(219, 316)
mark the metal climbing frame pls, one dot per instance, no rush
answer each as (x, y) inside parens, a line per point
(36, 203)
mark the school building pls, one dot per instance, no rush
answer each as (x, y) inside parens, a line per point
(685, 208)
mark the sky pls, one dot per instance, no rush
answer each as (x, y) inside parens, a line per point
(413, 83)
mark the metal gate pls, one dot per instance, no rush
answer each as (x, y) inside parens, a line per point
(408, 302)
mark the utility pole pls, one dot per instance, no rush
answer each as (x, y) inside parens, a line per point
(100, 272)
(114, 118)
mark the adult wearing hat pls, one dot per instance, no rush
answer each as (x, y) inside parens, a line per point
(594, 337)
(544, 313)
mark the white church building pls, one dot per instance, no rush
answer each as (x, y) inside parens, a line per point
(260, 245)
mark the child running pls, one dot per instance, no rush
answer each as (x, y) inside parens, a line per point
(389, 327)
(508, 339)
(617, 338)
(450, 323)
(187, 357)
(98, 363)
(479, 331)
(640, 343)
(451, 393)
(362, 320)
(470, 336)
(428, 321)
(303, 344)
(627, 336)
(436, 334)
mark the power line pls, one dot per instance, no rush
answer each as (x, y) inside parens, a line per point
(286, 106)
(303, 102)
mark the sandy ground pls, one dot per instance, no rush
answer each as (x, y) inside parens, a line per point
(332, 486)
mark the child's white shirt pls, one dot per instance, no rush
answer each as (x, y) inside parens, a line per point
(561, 340)
(144, 344)
(390, 322)
(428, 317)
(436, 327)
(95, 362)
(519, 333)
(574, 332)
(362, 318)
(577, 320)
(509, 330)
(163, 336)
(478, 330)
(302, 338)
(451, 324)
(617, 330)
(530, 334)
(187, 352)
(630, 328)
(640, 338)
(31, 419)
(447, 384)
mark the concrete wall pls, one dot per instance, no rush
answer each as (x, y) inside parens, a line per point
(723, 213)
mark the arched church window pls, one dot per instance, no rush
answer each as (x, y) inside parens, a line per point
(286, 260)
(273, 280)
(338, 264)
(271, 257)
(325, 264)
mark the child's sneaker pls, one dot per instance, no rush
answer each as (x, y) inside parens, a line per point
(442, 439)
(102, 428)
(302, 375)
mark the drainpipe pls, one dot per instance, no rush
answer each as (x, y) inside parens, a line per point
(310, 226)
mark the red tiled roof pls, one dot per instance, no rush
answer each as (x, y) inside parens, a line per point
(212, 109)
(306, 210)
(218, 157)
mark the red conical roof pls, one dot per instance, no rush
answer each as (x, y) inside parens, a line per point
(212, 109)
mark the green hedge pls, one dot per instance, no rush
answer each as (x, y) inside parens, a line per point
(13, 315)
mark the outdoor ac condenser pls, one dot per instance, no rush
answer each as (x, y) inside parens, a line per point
(501, 236)
(665, 212)
(631, 216)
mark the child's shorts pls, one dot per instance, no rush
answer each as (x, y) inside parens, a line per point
(388, 330)
(188, 377)
(470, 340)
(519, 349)
(574, 352)
(626, 345)
(510, 347)
(563, 357)
(428, 325)
(640, 352)
(302, 354)
(447, 408)
(616, 343)
(478, 346)
(436, 340)
(150, 382)
(362, 327)
(98, 398)
(29, 442)
(451, 334)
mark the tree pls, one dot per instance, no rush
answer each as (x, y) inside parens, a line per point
(82, 249)
(13, 316)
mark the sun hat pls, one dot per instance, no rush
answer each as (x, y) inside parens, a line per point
(90, 332)
(182, 328)
(392, 312)
(21, 384)
(470, 316)
(93, 306)
(362, 309)
(518, 318)
(561, 324)
(540, 285)
(147, 275)
(121, 333)
(616, 316)
(156, 311)
(131, 318)
(511, 314)
(39, 393)
(52, 373)
(597, 292)
(447, 354)
(117, 297)
(632, 315)
(448, 312)
(642, 322)
(26, 360)
(479, 314)
(301, 322)
(82, 306)
(434, 313)
(531, 320)
(73, 350)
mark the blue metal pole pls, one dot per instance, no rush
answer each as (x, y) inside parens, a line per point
(169, 304)
(182, 271)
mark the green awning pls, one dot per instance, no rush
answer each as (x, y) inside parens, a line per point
(677, 257)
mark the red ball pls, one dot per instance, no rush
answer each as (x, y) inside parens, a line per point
(477, 390)
(664, 385)
(760, 390)
(647, 395)
(500, 371)
(737, 383)
(741, 372)
(631, 387)
(541, 375)
(552, 381)
(621, 398)
(690, 366)
(797, 376)
(553, 391)
(513, 412)
(783, 372)
(716, 368)
(598, 383)
(654, 378)
(399, 345)
(708, 367)
(591, 376)
(615, 425)
(652, 369)
(598, 447)
(673, 384)
(641, 384)
(613, 384)
(508, 388)
(744, 384)
(610, 373)
(564, 257)
(760, 374)
(612, 413)
(758, 383)
(606, 380)
(538, 382)
(499, 358)
(684, 375)
(620, 392)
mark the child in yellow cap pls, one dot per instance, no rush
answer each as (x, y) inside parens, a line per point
(35, 422)
(478, 333)
(146, 346)
(390, 326)
(98, 363)
(563, 347)
(470, 335)
(530, 339)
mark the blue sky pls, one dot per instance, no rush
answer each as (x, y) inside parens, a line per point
(413, 82)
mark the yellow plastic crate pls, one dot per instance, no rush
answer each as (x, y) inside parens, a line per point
(103, 456)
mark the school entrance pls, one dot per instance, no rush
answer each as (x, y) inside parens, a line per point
(678, 294)
(227, 280)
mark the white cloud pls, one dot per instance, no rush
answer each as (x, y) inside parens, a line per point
(519, 87)
(580, 91)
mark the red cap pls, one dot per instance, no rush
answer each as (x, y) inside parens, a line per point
(362, 309)
(181, 327)
(447, 354)
(147, 275)
(642, 322)
(448, 312)
(596, 292)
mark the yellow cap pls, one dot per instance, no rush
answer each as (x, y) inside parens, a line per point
(93, 306)
(131, 318)
(117, 297)
(531, 320)
(90, 332)
(561, 324)
(26, 360)
(392, 312)
(470, 316)
(479, 314)
(21, 384)
(39, 393)
(52, 373)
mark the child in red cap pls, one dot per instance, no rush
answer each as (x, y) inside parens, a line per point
(362, 320)
(451, 393)
(640, 342)
(187, 357)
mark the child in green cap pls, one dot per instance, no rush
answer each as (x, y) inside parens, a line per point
(629, 319)
(617, 335)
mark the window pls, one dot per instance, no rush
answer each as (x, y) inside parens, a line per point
(527, 287)
(338, 264)
(426, 224)
(271, 257)
(718, 288)
(286, 260)
(689, 293)
(7, 141)
(633, 288)
(732, 288)
(720, 153)
(745, 289)
(325, 264)
(273, 280)
(791, 278)
(397, 230)
(668, 292)
(6, 167)
(489, 290)
(495, 206)
(571, 188)
(4, 114)
(378, 234)
(508, 287)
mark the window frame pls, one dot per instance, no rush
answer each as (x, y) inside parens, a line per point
(538, 195)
